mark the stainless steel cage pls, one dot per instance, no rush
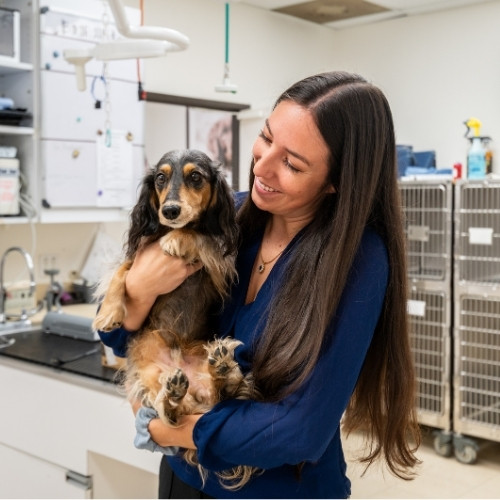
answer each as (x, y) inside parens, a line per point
(477, 369)
(430, 338)
(477, 233)
(427, 206)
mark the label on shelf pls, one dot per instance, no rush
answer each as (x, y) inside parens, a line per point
(481, 235)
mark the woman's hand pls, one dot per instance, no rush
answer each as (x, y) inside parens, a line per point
(165, 435)
(181, 436)
(153, 273)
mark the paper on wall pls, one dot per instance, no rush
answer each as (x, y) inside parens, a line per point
(115, 172)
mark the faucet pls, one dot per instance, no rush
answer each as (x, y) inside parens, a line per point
(3, 291)
(53, 295)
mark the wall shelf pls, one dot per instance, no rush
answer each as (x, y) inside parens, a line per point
(14, 219)
(91, 214)
(7, 68)
(11, 130)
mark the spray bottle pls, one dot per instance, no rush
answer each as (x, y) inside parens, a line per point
(476, 157)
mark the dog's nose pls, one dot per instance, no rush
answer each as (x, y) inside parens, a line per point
(171, 212)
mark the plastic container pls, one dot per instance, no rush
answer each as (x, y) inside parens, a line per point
(476, 160)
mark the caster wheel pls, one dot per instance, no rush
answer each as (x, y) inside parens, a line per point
(445, 449)
(466, 455)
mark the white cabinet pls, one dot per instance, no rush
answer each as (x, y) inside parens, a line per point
(25, 476)
(18, 82)
(74, 123)
(67, 114)
(69, 167)
(60, 429)
(64, 118)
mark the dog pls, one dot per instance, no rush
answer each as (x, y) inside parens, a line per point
(174, 364)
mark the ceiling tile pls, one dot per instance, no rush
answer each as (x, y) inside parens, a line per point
(326, 11)
(272, 4)
(346, 13)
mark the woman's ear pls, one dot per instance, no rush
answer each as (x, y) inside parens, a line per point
(330, 189)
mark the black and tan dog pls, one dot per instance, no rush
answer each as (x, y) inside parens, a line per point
(172, 365)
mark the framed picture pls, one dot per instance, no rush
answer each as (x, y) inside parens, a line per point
(212, 132)
(210, 126)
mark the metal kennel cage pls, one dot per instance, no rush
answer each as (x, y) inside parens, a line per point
(428, 210)
(430, 338)
(476, 384)
(428, 213)
(477, 371)
(477, 233)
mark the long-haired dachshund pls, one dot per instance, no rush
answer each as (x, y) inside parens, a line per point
(172, 365)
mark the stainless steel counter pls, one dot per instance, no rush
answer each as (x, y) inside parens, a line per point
(62, 353)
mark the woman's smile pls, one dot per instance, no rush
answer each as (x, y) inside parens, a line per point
(264, 187)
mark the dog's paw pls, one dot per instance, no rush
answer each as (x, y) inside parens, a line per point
(108, 319)
(176, 386)
(221, 357)
(180, 244)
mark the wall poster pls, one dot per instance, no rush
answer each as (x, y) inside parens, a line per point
(212, 131)
(210, 126)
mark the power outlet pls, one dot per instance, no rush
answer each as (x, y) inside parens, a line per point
(18, 299)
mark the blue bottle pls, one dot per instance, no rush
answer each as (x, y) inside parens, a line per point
(476, 160)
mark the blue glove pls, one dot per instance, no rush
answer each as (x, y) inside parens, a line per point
(143, 439)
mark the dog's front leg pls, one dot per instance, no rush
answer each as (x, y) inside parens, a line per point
(113, 311)
(181, 243)
(194, 247)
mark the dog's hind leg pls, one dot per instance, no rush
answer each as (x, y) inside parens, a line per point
(223, 368)
(113, 311)
(168, 404)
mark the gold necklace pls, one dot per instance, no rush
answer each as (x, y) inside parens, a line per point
(263, 264)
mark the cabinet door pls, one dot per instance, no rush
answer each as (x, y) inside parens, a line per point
(25, 476)
(69, 173)
(68, 114)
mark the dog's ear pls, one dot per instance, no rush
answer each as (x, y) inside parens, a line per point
(144, 217)
(220, 218)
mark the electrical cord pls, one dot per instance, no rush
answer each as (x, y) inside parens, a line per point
(97, 101)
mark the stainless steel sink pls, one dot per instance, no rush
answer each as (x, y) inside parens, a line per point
(17, 327)
(36, 345)
(14, 327)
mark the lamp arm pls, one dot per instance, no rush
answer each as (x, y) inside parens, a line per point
(177, 39)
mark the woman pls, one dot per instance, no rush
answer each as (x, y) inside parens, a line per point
(320, 305)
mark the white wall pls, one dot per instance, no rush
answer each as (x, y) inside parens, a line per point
(63, 246)
(437, 70)
(267, 53)
(267, 50)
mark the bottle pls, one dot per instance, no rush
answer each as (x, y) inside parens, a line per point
(476, 160)
(488, 154)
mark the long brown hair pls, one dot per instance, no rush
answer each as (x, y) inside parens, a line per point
(356, 123)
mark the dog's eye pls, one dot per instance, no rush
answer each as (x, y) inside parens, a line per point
(196, 177)
(160, 179)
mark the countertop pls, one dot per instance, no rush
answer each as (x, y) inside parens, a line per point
(58, 352)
